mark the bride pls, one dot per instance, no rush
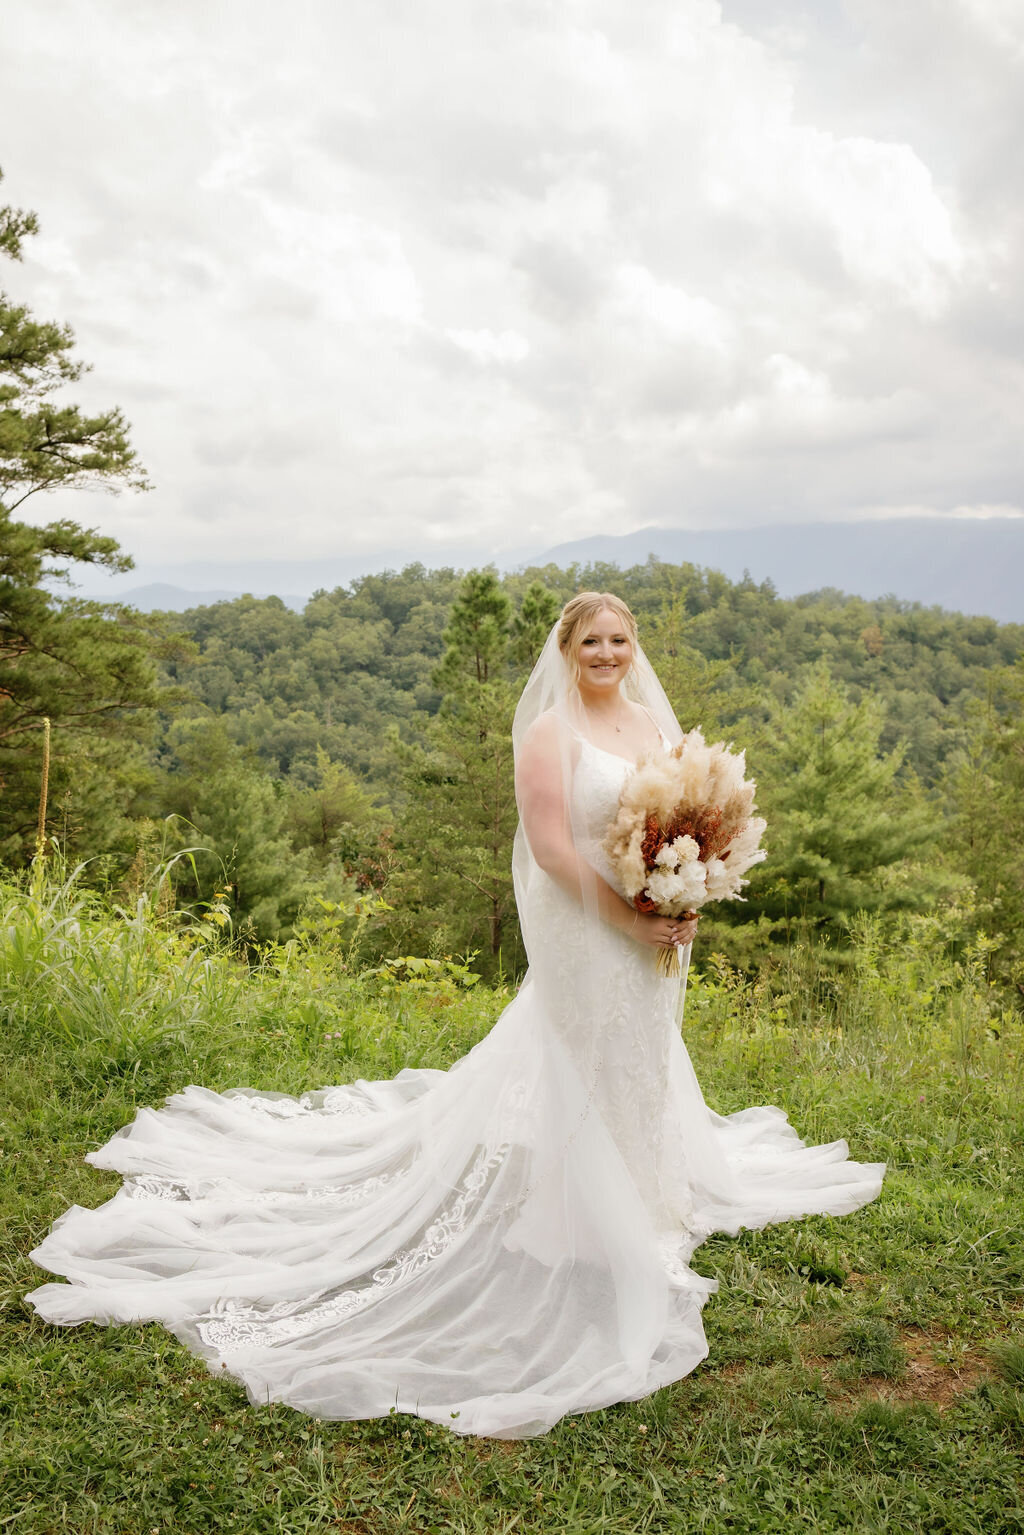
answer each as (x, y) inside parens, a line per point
(493, 1246)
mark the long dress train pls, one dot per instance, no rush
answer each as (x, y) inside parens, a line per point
(489, 1247)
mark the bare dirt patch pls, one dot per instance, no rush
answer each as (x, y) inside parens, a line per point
(927, 1378)
(930, 1380)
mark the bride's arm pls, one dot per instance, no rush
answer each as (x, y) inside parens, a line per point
(542, 771)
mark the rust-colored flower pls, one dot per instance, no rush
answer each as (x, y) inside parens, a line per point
(655, 838)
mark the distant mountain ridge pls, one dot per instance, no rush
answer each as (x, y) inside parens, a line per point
(164, 597)
(963, 564)
(968, 565)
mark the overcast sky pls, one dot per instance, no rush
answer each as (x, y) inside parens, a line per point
(423, 276)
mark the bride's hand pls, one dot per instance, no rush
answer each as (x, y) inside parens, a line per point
(663, 932)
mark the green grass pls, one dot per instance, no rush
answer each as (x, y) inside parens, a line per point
(866, 1374)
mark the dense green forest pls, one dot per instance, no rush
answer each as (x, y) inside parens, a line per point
(367, 654)
(350, 765)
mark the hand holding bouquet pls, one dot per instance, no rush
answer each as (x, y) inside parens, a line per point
(686, 832)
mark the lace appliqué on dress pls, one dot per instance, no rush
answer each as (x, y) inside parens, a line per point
(236, 1324)
(348, 1100)
(152, 1186)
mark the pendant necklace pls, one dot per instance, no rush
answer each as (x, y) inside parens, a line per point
(617, 728)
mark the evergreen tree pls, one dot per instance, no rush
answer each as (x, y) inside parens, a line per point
(238, 817)
(453, 890)
(83, 665)
(531, 626)
(46, 446)
(335, 818)
(476, 639)
(707, 694)
(986, 839)
(839, 822)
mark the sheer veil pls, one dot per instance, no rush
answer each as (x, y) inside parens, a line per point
(551, 704)
(551, 686)
(576, 958)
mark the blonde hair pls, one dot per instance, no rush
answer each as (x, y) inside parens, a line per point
(578, 615)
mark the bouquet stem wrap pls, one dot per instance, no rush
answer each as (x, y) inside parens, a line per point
(668, 959)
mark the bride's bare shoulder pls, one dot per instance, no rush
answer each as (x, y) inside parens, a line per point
(549, 738)
(548, 726)
(648, 731)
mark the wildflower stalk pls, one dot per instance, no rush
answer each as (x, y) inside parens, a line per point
(44, 789)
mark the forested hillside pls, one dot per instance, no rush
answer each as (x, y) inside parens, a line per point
(365, 655)
(348, 768)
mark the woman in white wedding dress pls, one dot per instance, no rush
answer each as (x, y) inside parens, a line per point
(497, 1245)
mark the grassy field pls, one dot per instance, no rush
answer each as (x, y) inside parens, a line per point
(866, 1374)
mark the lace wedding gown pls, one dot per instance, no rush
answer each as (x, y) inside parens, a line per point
(489, 1247)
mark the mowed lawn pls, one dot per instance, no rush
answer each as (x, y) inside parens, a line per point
(865, 1374)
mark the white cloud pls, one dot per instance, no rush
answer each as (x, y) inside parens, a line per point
(999, 513)
(486, 346)
(413, 278)
(665, 311)
(798, 410)
(1001, 20)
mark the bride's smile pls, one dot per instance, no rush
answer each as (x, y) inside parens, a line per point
(604, 657)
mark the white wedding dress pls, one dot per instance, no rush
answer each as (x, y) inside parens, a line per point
(489, 1247)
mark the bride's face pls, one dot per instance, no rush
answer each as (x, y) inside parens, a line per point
(604, 655)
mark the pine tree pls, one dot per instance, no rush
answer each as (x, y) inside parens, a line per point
(476, 638)
(453, 891)
(531, 626)
(237, 817)
(986, 841)
(334, 818)
(707, 694)
(46, 446)
(839, 821)
(84, 665)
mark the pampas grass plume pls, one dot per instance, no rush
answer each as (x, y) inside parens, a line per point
(692, 783)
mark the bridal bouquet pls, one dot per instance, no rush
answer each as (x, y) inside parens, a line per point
(685, 832)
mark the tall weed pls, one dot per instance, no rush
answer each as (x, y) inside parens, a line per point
(116, 987)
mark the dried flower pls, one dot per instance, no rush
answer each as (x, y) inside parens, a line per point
(686, 832)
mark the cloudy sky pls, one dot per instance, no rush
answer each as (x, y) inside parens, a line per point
(428, 276)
